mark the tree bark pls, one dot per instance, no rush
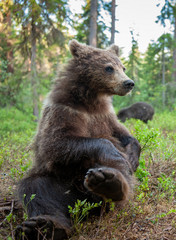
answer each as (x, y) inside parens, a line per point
(174, 54)
(163, 78)
(9, 55)
(93, 23)
(113, 21)
(34, 70)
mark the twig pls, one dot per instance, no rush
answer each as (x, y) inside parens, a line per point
(127, 230)
(3, 221)
(40, 233)
(11, 226)
(103, 209)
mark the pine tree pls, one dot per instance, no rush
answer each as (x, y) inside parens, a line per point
(168, 12)
(82, 24)
(38, 20)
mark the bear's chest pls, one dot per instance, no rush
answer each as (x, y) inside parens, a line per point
(98, 126)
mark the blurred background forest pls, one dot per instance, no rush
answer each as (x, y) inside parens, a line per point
(34, 37)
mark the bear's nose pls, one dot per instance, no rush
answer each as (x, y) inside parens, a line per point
(128, 84)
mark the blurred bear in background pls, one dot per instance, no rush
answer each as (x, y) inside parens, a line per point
(139, 110)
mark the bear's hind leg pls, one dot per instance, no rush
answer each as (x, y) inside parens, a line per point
(47, 209)
(108, 183)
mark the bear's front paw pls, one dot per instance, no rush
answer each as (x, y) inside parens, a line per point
(107, 182)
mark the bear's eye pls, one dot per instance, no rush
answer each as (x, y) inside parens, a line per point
(124, 69)
(109, 69)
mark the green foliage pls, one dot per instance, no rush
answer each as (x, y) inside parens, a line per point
(21, 24)
(163, 215)
(167, 185)
(48, 16)
(146, 135)
(158, 55)
(9, 217)
(25, 206)
(142, 172)
(143, 176)
(3, 67)
(110, 203)
(133, 64)
(165, 121)
(148, 71)
(168, 12)
(152, 140)
(13, 121)
(80, 211)
(82, 22)
(9, 238)
(16, 133)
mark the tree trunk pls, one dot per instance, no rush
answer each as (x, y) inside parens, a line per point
(174, 54)
(113, 21)
(34, 71)
(93, 23)
(9, 54)
(163, 78)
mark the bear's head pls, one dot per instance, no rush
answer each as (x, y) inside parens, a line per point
(100, 70)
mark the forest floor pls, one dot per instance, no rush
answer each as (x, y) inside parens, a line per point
(149, 215)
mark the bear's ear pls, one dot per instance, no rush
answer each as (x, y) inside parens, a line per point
(75, 48)
(114, 49)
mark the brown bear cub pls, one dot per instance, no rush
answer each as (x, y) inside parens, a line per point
(81, 150)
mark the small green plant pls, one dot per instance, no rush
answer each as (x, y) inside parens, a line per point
(1, 161)
(80, 211)
(11, 220)
(111, 204)
(121, 214)
(163, 215)
(143, 176)
(9, 217)
(25, 206)
(167, 185)
(147, 136)
(142, 171)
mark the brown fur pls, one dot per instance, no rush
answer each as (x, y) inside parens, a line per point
(81, 150)
(139, 110)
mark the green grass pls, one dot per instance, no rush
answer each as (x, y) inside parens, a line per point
(16, 132)
(14, 121)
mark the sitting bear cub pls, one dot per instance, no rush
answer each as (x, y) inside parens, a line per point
(81, 150)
